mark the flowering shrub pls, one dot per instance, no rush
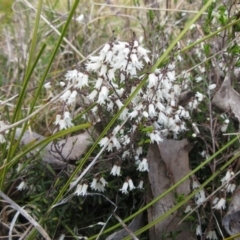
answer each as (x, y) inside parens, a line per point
(155, 111)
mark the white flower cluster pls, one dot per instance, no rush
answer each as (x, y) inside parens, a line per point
(200, 195)
(111, 77)
(117, 69)
(219, 203)
(128, 183)
(98, 184)
(81, 189)
(22, 186)
(143, 165)
(229, 185)
(64, 122)
(77, 80)
(212, 235)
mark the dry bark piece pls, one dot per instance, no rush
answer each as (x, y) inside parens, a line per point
(135, 224)
(168, 163)
(57, 154)
(227, 99)
(231, 221)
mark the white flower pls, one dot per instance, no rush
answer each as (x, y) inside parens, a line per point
(143, 166)
(110, 106)
(134, 58)
(162, 118)
(198, 230)
(81, 189)
(72, 98)
(71, 75)
(125, 140)
(215, 200)
(116, 143)
(92, 95)
(192, 26)
(103, 95)
(199, 96)
(120, 91)
(145, 114)
(195, 128)
(193, 104)
(103, 70)
(80, 18)
(116, 129)
(62, 84)
(221, 204)
(103, 181)
(124, 114)
(104, 141)
(139, 150)
(98, 184)
(106, 48)
(200, 197)
(125, 154)
(140, 185)
(68, 119)
(19, 167)
(119, 103)
(177, 119)
(47, 85)
(151, 110)
(212, 235)
(171, 75)
(109, 56)
(195, 185)
(22, 186)
(104, 51)
(99, 83)
(133, 114)
(160, 106)
(152, 80)
(62, 124)
(94, 183)
(202, 69)
(212, 86)
(100, 187)
(143, 52)
(155, 137)
(199, 79)
(228, 176)
(116, 170)
(82, 80)
(225, 125)
(66, 95)
(124, 187)
(94, 65)
(131, 185)
(188, 209)
(231, 187)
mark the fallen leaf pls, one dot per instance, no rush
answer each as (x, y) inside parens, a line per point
(59, 153)
(231, 221)
(168, 163)
(226, 98)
